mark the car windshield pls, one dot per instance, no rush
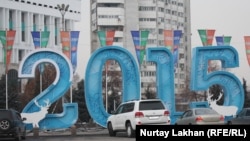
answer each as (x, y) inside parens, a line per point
(151, 105)
(205, 112)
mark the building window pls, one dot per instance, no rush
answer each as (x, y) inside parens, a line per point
(34, 22)
(23, 26)
(11, 20)
(45, 24)
(56, 32)
(20, 55)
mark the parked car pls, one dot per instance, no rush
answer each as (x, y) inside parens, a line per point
(12, 125)
(137, 112)
(243, 117)
(200, 116)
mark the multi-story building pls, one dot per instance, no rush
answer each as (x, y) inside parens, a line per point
(154, 16)
(25, 16)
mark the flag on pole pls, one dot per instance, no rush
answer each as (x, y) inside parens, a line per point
(40, 40)
(176, 42)
(7, 38)
(36, 39)
(172, 42)
(247, 47)
(106, 38)
(223, 40)
(65, 40)
(168, 39)
(74, 36)
(110, 37)
(44, 38)
(102, 37)
(210, 37)
(140, 39)
(206, 37)
(203, 36)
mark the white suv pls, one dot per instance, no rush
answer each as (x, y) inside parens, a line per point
(137, 112)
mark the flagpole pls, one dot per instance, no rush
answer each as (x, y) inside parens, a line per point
(6, 77)
(6, 72)
(40, 65)
(106, 86)
(73, 71)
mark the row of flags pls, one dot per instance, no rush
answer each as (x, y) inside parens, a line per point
(69, 40)
(207, 36)
(140, 38)
(7, 38)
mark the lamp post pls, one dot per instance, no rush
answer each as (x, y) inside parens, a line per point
(63, 9)
(108, 94)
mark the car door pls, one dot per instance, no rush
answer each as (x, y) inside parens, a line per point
(123, 115)
(243, 117)
(186, 118)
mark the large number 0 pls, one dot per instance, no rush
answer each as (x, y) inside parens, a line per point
(202, 80)
(55, 91)
(93, 79)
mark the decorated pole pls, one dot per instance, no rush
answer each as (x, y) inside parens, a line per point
(106, 39)
(7, 38)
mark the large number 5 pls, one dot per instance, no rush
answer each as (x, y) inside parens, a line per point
(202, 80)
(56, 90)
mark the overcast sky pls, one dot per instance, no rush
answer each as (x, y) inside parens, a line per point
(227, 17)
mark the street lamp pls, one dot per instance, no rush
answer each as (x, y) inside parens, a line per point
(63, 9)
(108, 93)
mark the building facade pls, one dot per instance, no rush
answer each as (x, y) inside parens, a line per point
(155, 16)
(25, 16)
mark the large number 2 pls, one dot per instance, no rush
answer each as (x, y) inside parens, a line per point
(54, 92)
(202, 80)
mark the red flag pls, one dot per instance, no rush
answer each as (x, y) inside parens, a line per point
(168, 39)
(247, 46)
(110, 38)
(210, 36)
(65, 39)
(10, 37)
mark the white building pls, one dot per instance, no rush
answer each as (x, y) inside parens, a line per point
(25, 16)
(152, 15)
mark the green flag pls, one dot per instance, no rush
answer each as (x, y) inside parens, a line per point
(44, 39)
(227, 40)
(203, 36)
(143, 43)
(102, 38)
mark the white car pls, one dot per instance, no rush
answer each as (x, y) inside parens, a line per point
(137, 112)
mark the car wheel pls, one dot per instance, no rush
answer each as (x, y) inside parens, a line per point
(110, 129)
(229, 123)
(4, 124)
(129, 130)
(24, 134)
(18, 136)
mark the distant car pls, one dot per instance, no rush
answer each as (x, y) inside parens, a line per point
(12, 125)
(200, 116)
(137, 112)
(243, 117)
